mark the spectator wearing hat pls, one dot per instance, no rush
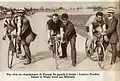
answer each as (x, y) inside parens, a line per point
(111, 32)
(69, 36)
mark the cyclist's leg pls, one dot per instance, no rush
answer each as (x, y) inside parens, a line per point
(50, 41)
(12, 47)
(58, 40)
(89, 44)
(12, 38)
(73, 50)
(89, 40)
(105, 44)
(18, 46)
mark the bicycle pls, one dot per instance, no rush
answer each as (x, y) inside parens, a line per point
(97, 46)
(56, 44)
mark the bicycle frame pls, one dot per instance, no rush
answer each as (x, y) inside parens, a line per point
(99, 41)
(56, 45)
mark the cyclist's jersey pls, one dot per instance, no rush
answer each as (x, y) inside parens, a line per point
(8, 25)
(7, 21)
(96, 24)
(54, 26)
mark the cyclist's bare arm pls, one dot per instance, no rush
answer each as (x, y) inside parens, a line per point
(91, 30)
(89, 24)
(19, 24)
(48, 31)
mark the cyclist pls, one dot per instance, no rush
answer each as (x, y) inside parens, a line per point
(53, 27)
(96, 24)
(7, 23)
(9, 28)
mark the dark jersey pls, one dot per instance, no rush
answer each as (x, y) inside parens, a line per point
(69, 29)
(54, 26)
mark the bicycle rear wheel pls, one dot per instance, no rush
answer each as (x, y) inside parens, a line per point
(10, 55)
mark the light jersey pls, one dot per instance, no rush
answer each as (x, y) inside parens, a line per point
(97, 26)
(8, 25)
(7, 21)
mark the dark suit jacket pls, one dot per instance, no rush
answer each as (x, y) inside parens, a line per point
(111, 31)
(27, 35)
(69, 30)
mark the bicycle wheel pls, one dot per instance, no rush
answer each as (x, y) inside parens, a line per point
(89, 50)
(54, 48)
(15, 43)
(86, 46)
(56, 53)
(100, 57)
(10, 55)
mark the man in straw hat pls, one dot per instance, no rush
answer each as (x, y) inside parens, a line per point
(111, 32)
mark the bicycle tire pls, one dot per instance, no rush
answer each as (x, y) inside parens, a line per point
(54, 48)
(91, 49)
(17, 55)
(56, 52)
(10, 56)
(86, 46)
(100, 50)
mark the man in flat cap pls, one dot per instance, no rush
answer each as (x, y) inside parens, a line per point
(69, 35)
(111, 32)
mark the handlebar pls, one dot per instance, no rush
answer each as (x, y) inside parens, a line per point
(98, 35)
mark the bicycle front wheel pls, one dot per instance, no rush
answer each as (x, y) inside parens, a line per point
(56, 54)
(10, 55)
(100, 56)
(89, 49)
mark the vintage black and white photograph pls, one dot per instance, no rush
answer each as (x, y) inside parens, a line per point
(59, 36)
